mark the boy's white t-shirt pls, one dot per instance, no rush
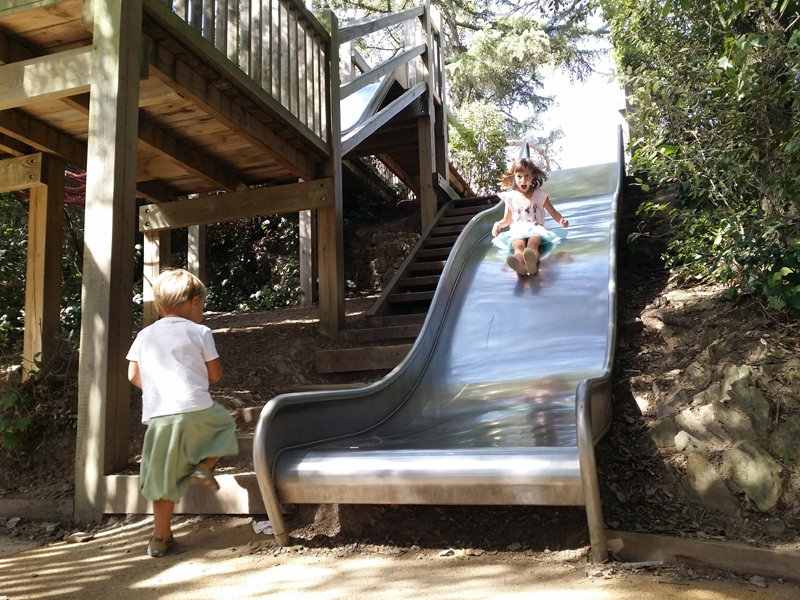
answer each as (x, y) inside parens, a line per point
(172, 354)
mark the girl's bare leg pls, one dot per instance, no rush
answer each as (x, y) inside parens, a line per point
(162, 518)
(516, 261)
(531, 254)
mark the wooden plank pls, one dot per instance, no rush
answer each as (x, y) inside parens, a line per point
(266, 41)
(294, 83)
(21, 173)
(302, 85)
(378, 334)
(13, 147)
(376, 73)
(219, 208)
(13, 6)
(286, 58)
(38, 135)
(238, 495)
(103, 388)
(726, 556)
(360, 359)
(371, 125)
(45, 78)
(183, 154)
(426, 135)
(11, 51)
(189, 83)
(43, 275)
(255, 42)
(361, 27)
(399, 171)
(34, 508)
(196, 251)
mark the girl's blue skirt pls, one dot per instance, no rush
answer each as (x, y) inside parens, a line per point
(526, 230)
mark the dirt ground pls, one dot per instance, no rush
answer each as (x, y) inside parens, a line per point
(268, 352)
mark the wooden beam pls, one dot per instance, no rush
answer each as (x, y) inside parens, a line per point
(219, 208)
(371, 125)
(376, 73)
(12, 6)
(43, 277)
(187, 82)
(14, 147)
(330, 226)
(156, 258)
(427, 138)
(196, 251)
(21, 173)
(42, 137)
(398, 170)
(187, 157)
(361, 27)
(103, 387)
(11, 51)
(45, 78)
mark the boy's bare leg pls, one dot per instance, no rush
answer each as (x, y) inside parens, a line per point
(162, 518)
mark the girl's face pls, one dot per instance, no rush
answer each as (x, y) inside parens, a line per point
(523, 180)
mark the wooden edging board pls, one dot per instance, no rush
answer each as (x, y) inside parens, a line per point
(726, 556)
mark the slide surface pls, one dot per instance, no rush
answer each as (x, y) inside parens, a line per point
(484, 409)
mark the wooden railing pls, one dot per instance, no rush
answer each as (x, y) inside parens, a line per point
(279, 44)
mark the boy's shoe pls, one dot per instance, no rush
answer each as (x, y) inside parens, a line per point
(202, 475)
(158, 547)
(531, 260)
(513, 262)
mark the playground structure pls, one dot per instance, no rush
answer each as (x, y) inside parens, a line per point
(213, 111)
(228, 109)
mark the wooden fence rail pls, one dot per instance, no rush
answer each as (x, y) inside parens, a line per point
(278, 43)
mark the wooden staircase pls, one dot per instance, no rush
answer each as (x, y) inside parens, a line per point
(396, 319)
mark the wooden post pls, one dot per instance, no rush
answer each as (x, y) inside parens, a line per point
(103, 387)
(196, 251)
(43, 278)
(426, 134)
(308, 256)
(156, 258)
(440, 124)
(330, 223)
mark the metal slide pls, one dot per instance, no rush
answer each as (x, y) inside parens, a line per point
(500, 400)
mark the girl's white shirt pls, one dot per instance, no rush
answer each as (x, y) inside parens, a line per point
(172, 354)
(524, 210)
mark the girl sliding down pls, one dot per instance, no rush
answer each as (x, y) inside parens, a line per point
(526, 202)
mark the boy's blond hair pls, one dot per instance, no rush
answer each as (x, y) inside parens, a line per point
(174, 287)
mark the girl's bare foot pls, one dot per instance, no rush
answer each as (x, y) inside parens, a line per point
(513, 262)
(531, 260)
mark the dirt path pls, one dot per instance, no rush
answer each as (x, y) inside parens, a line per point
(224, 558)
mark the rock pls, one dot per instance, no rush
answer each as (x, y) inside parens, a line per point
(703, 481)
(684, 441)
(691, 424)
(12, 522)
(709, 395)
(734, 421)
(663, 433)
(784, 443)
(750, 399)
(699, 373)
(673, 400)
(758, 581)
(78, 537)
(756, 472)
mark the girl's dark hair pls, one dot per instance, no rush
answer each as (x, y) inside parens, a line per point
(524, 164)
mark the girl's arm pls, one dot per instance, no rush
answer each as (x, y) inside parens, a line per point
(134, 376)
(214, 370)
(555, 214)
(504, 223)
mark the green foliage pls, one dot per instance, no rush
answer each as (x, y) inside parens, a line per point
(477, 145)
(13, 419)
(253, 263)
(715, 90)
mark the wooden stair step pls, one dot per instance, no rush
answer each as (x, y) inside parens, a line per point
(447, 221)
(485, 201)
(453, 229)
(370, 358)
(410, 297)
(432, 254)
(426, 281)
(467, 210)
(380, 334)
(445, 241)
(397, 320)
(434, 267)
